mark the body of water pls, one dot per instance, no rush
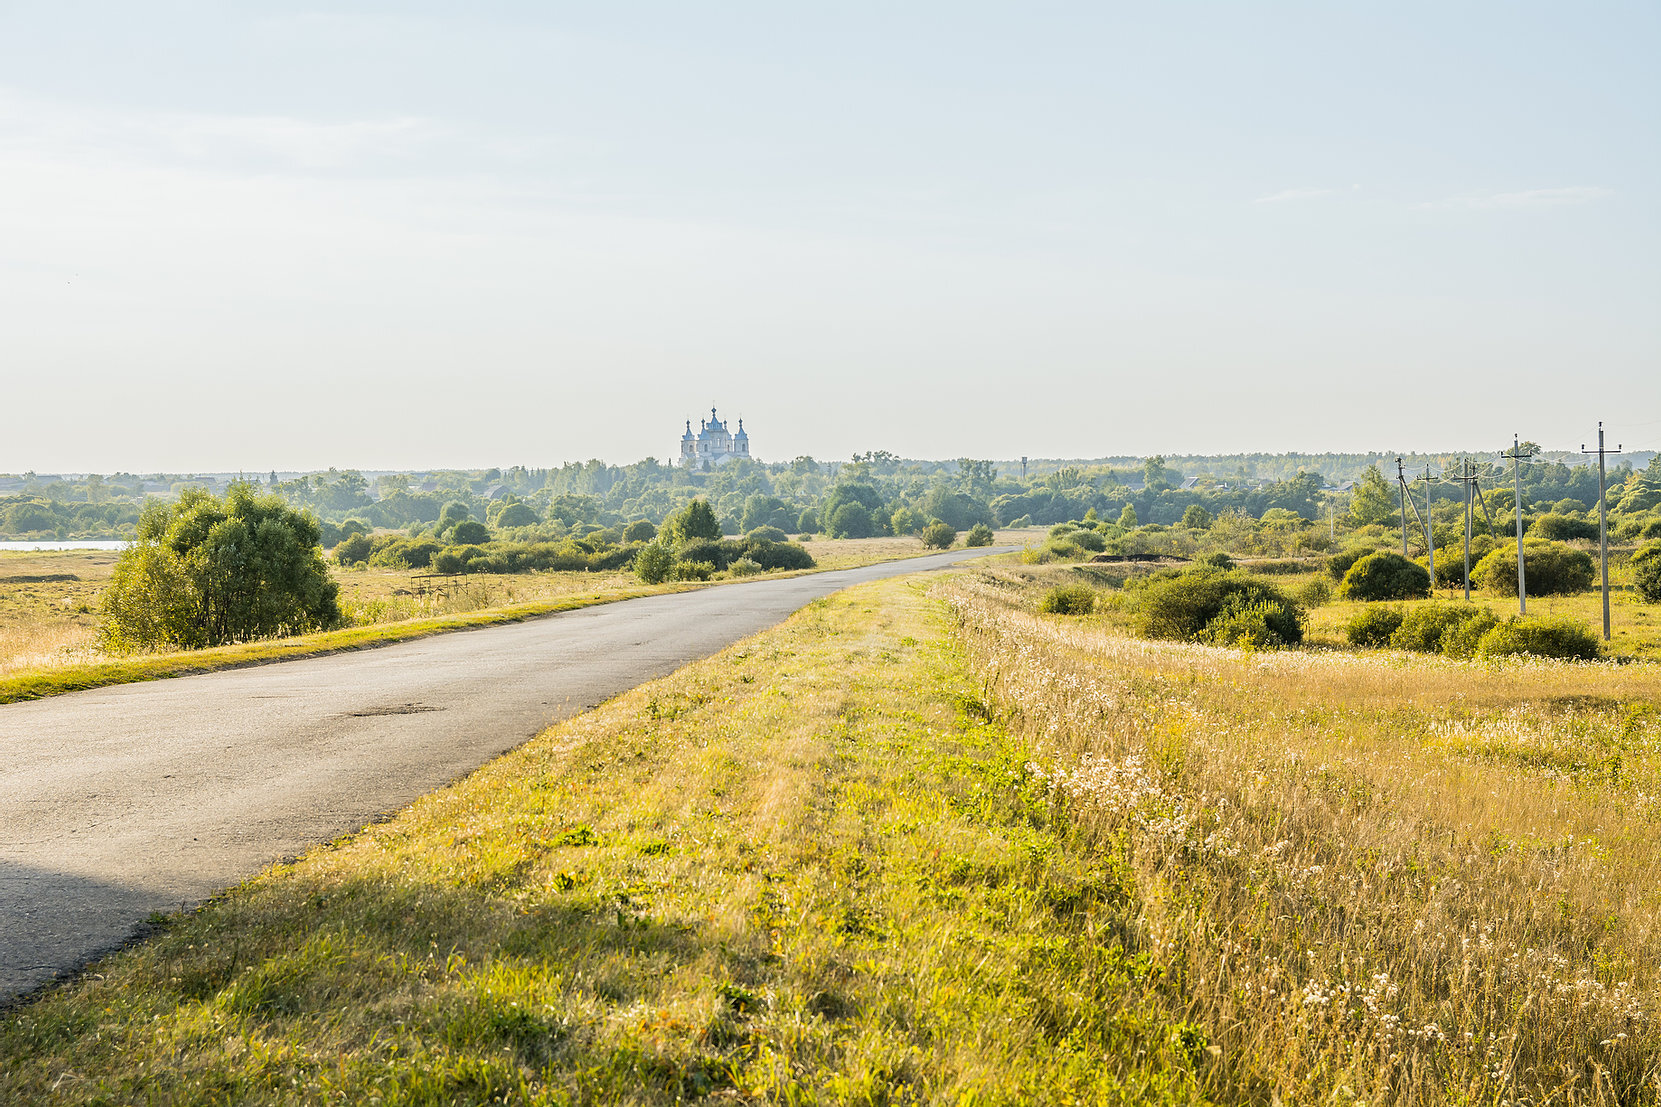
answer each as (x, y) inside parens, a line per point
(81, 544)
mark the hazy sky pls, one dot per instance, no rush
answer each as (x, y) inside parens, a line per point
(409, 235)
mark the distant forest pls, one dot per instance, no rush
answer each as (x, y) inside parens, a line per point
(874, 493)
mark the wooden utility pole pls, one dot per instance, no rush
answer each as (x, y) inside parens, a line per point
(1516, 455)
(1603, 523)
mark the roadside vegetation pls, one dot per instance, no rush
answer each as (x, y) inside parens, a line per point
(934, 846)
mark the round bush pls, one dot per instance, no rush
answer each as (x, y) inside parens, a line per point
(1549, 569)
(939, 536)
(778, 555)
(1068, 599)
(766, 534)
(1185, 606)
(1563, 528)
(1385, 575)
(354, 550)
(1462, 640)
(641, 530)
(979, 535)
(1541, 636)
(469, 532)
(1339, 563)
(1646, 572)
(1314, 593)
(1371, 629)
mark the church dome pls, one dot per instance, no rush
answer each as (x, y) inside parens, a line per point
(741, 433)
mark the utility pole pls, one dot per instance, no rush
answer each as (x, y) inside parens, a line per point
(1466, 478)
(1401, 480)
(1603, 523)
(1430, 533)
(1516, 456)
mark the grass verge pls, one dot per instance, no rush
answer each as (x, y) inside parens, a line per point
(807, 870)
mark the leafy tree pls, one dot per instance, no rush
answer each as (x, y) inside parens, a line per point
(852, 520)
(1373, 501)
(641, 530)
(907, 520)
(1549, 569)
(205, 571)
(1196, 518)
(1127, 517)
(696, 520)
(979, 535)
(454, 512)
(939, 536)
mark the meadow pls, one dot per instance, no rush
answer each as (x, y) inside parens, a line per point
(923, 845)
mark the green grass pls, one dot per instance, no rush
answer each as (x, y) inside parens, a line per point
(807, 870)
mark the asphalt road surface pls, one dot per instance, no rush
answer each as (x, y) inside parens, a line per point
(119, 802)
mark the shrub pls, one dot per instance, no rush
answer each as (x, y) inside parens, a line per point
(1339, 563)
(1462, 640)
(354, 550)
(720, 553)
(1056, 549)
(1549, 569)
(907, 520)
(766, 534)
(517, 515)
(744, 567)
(404, 553)
(205, 571)
(1068, 599)
(694, 570)
(1646, 572)
(1385, 575)
(469, 532)
(1424, 628)
(1540, 636)
(641, 530)
(979, 535)
(808, 523)
(1196, 517)
(1246, 626)
(1562, 528)
(1372, 629)
(449, 562)
(1184, 605)
(1092, 540)
(1450, 561)
(852, 520)
(778, 555)
(939, 536)
(1218, 560)
(1314, 593)
(653, 563)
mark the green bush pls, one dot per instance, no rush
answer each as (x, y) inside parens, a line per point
(1385, 575)
(449, 562)
(939, 536)
(1314, 593)
(1424, 628)
(1068, 599)
(852, 520)
(516, 515)
(469, 532)
(1646, 572)
(1372, 629)
(1090, 540)
(979, 535)
(777, 555)
(1218, 560)
(766, 534)
(653, 563)
(394, 552)
(1185, 604)
(641, 530)
(1196, 517)
(1339, 563)
(1541, 636)
(205, 572)
(1246, 626)
(744, 567)
(1563, 528)
(354, 550)
(720, 553)
(1463, 640)
(1450, 561)
(694, 570)
(1549, 569)
(693, 522)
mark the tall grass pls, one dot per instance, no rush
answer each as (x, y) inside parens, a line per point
(1368, 878)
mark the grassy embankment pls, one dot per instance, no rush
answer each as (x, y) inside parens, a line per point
(49, 621)
(876, 857)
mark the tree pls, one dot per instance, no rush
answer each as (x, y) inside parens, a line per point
(1385, 575)
(654, 563)
(454, 512)
(979, 535)
(1646, 572)
(852, 520)
(1549, 569)
(1196, 518)
(353, 550)
(1373, 500)
(205, 571)
(696, 520)
(1127, 517)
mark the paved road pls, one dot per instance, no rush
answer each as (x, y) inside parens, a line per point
(118, 802)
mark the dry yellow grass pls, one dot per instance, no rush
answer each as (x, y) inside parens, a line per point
(1372, 878)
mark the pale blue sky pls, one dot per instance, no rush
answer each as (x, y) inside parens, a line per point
(256, 236)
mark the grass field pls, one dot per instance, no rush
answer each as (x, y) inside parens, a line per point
(927, 847)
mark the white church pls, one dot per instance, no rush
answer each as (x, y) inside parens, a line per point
(712, 446)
